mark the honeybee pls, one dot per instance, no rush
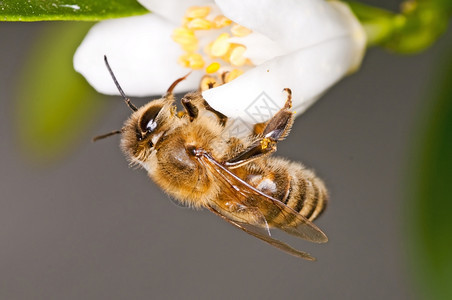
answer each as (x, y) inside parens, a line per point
(186, 154)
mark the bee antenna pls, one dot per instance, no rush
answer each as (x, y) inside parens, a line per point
(100, 137)
(126, 99)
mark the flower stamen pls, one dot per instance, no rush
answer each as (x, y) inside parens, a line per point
(223, 58)
(197, 12)
(220, 46)
(239, 30)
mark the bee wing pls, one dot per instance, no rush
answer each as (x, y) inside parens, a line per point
(250, 197)
(262, 234)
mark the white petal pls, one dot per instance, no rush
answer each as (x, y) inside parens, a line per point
(172, 10)
(141, 53)
(356, 30)
(259, 48)
(256, 95)
(291, 23)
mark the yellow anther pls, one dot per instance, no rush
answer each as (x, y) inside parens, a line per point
(183, 60)
(220, 51)
(236, 57)
(208, 82)
(192, 60)
(220, 46)
(212, 68)
(233, 74)
(199, 24)
(185, 21)
(239, 30)
(221, 21)
(184, 36)
(197, 12)
(192, 47)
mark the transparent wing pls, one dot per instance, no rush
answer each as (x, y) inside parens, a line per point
(252, 198)
(262, 234)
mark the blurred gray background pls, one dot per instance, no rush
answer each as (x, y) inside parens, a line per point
(89, 227)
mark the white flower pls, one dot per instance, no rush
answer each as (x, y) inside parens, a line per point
(304, 45)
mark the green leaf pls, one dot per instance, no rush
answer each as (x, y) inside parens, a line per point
(84, 10)
(415, 28)
(54, 105)
(432, 195)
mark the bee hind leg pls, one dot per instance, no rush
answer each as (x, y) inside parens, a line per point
(276, 129)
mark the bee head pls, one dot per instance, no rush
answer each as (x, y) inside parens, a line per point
(147, 124)
(145, 128)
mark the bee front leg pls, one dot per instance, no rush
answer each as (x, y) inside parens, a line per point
(221, 118)
(190, 102)
(190, 107)
(276, 129)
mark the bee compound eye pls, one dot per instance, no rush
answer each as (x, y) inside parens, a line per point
(151, 125)
(148, 122)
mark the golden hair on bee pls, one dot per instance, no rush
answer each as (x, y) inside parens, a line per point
(190, 156)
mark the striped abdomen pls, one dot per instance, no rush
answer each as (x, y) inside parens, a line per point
(292, 184)
(307, 193)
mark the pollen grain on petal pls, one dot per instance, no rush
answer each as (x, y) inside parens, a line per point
(236, 57)
(197, 12)
(221, 21)
(233, 74)
(190, 48)
(200, 24)
(192, 60)
(221, 45)
(239, 30)
(184, 36)
(217, 56)
(212, 68)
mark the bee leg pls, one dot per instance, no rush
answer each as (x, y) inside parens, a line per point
(221, 118)
(276, 129)
(190, 108)
(279, 125)
(189, 102)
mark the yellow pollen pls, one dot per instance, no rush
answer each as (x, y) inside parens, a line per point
(190, 48)
(213, 67)
(208, 49)
(197, 12)
(221, 21)
(185, 21)
(215, 54)
(184, 36)
(220, 46)
(231, 75)
(192, 60)
(239, 30)
(265, 143)
(236, 58)
(199, 24)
